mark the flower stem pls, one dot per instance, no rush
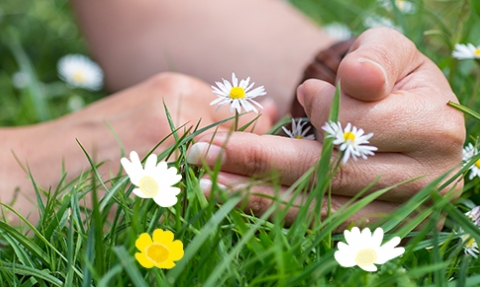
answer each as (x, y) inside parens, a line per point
(236, 121)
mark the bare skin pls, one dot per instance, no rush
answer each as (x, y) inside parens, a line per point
(207, 40)
(388, 88)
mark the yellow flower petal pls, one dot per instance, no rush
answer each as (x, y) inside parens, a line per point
(176, 250)
(163, 237)
(143, 241)
(142, 259)
(166, 265)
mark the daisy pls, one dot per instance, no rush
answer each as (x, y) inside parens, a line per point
(378, 21)
(238, 95)
(155, 181)
(159, 252)
(474, 215)
(338, 31)
(352, 141)
(364, 250)
(470, 246)
(468, 51)
(79, 71)
(297, 130)
(406, 7)
(468, 153)
(20, 80)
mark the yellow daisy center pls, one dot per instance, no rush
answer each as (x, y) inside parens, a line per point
(477, 52)
(366, 257)
(301, 137)
(237, 93)
(470, 243)
(157, 253)
(78, 77)
(149, 186)
(477, 163)
(348, 136)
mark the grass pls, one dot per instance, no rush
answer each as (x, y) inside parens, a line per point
(76, 246)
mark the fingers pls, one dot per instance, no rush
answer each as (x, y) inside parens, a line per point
(378, 59)
(415, 119)
(261, 197)
(260, 156)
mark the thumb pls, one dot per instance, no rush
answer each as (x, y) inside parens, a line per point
(379, 58)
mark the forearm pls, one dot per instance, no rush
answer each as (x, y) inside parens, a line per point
(267, 40)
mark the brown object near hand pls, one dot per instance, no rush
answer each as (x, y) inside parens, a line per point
(324, 67)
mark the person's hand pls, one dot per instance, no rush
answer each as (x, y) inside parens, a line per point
(388, 88)
(136, 116)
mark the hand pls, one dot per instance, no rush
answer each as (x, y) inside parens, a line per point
(388, 88)
(136, 116)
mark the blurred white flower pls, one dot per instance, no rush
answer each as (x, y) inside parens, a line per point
(474, 215)
(338, 31)
(468, 153)
(352, 141)
(378, 21)
(79, 71)
(365, 250)
(155, 181)
(238, 95)
(468, 51)
(75, 103)
(406, 7)
(297, 130)
(20, 80)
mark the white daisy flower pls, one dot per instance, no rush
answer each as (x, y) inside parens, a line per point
(155, 181)
(364, 250)
(297, 130)
(378, 21)
(474, 215)
(352, 141)
(79, 71)
(338, 31)
(238, 95)
(20, 80)
(470, 246)
(468, 153)
(406, 7)
(468, 51)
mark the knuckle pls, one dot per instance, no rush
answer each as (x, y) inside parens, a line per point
(256, 160)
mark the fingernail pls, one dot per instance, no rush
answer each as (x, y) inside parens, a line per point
(202, 150)
(300, 94)
(363, 60)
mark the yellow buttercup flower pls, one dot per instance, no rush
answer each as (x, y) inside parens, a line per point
(160, 250)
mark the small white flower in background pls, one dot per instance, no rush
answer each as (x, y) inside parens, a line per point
(237, 94)
(81, 72)
(406, 7)
(20, 80)
(338, 31)
(474, 215)
(468, 153)
(378, 21)
(365, 250)
(75, 103)
(297, 130)
(155, 181)
(352, 141)
(468, 51)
